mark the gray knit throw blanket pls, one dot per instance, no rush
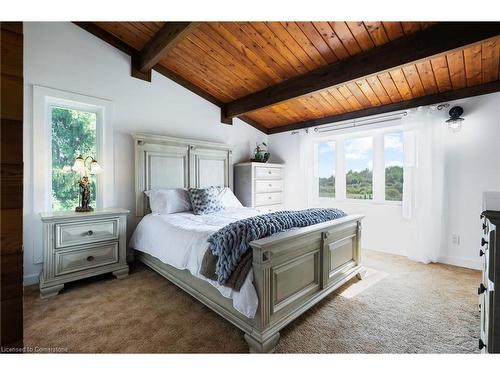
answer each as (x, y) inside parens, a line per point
(230, 243)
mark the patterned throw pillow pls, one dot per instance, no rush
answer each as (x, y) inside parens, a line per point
(205, 200)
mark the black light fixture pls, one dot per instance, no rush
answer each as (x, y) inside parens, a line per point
(455, 121)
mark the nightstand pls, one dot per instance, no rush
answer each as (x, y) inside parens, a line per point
(77, 245)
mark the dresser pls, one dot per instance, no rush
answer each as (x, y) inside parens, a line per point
(489, 298)
(77, 245)
(259, 185)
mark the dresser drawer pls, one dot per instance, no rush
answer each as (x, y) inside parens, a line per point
(271, 173)
(82, 259)
(85, 232)
(268, 186)
(267, 199)
(269, 209)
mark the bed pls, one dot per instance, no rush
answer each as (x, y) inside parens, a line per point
(291, 271)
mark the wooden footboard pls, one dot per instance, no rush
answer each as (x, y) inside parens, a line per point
(293, 270)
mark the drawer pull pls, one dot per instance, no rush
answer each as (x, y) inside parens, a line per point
(270, 185)
(481, 253)
(90, 258)
(90, 233)
(481, 289)
(269, 197)
(483, 242)
(481, 344)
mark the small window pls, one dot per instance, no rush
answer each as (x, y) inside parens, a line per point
(393, 153)
(73, 134)
(359, 168)
(326, 170)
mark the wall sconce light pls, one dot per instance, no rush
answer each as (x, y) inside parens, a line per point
(455, 121)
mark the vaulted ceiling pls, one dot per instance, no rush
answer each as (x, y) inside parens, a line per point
(279, 76)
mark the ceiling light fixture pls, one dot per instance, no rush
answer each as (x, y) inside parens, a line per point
(455, 121)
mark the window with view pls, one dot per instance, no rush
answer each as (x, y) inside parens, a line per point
(73, 134)
(326, 170)
(359, 168)
(393, 153)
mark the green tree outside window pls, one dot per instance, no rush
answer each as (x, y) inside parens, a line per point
(73, 134)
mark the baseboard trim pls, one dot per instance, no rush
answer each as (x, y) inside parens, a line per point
(461, 262)
(450, 260)
(31, 279)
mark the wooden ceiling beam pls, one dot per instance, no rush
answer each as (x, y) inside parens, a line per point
(435, 40)
(162, 42)
(109, 38)
(468, 92)
(133, 53)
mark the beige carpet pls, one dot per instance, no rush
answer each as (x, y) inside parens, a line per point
(401, 307)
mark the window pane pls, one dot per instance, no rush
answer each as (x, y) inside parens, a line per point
(326, 169)
(393, 151)
(359, 167)
(73, 134)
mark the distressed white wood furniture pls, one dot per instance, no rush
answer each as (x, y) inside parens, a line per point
(167, 162)
(489, 296)
(77, 245)
(292, 270)
(259, 185)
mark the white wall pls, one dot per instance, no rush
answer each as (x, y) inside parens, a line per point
(65, 57)
(472, 165)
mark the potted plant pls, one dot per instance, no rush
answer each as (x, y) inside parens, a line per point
(261, 153)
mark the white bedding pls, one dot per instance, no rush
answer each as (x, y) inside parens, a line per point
(180, 240)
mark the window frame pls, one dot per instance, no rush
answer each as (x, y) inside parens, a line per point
(378, 171)
(43, 100)
(316, 168)
(355, 137)
(81, 107)
(384, 166)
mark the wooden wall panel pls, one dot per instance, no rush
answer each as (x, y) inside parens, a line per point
(11, 175)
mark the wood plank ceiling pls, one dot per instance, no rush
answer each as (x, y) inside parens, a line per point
(228, 61)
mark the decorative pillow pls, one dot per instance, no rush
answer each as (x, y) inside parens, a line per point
(168, 201)
(205, 200)
(228, 199)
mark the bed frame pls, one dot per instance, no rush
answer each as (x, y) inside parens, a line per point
(292, 270)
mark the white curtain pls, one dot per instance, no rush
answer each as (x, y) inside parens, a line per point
(423, 183)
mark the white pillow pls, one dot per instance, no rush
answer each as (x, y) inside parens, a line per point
(228, 199)
(169, 201)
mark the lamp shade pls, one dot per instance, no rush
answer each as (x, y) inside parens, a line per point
(79, 165)
(95, 168)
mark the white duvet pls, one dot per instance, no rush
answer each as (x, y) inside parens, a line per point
(180, 240)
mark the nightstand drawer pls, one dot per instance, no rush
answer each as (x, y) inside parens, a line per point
(267, 186)
(268, 199)
(85, 232)
(77, 260)
(271, 173)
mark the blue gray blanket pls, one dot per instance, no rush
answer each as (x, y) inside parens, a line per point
(231, 243)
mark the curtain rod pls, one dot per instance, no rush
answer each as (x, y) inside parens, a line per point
(356, 123)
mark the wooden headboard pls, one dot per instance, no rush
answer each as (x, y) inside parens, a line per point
(163, 162)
